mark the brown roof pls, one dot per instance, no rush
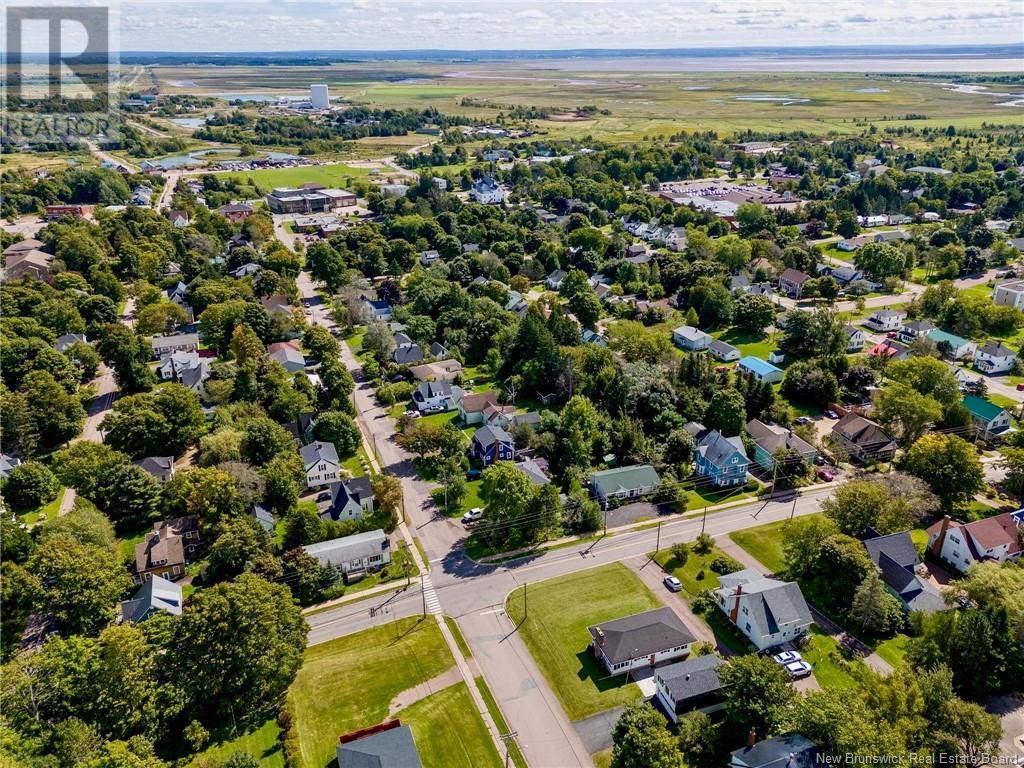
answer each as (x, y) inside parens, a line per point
(477, 403)
(164, 547)
(277, 346)
(860, 431)
(994, 532)
(442, 370)
(29, 244)
(794, 276)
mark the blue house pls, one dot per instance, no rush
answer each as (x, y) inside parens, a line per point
(760, 369)
(491, 444)
(723, 459)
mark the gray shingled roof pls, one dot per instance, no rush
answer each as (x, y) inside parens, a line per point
(693, 677)
(781, 602)
(318, 451)
(719, 449)
(641, 635)
(394, 748)
(793, 750)
(898, 546)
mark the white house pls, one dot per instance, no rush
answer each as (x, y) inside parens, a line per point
(958, 347)
(691, 339)
(769, 612)
(885, 320)
(487, 191)
(624, 482)
(429, 257)
(320, 461)
(963, 544)
(640, 641)
(722, 351)
(994, 358)
(354, 555)
(178, 342)
(379, 310)
(854, 338)
(1010, 294)
(434, 396)
(760, 369)
(350, 499)
(555, 279)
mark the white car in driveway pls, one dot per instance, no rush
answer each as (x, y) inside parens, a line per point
(473, 515)
(673, 584)
(787, 657)
(798, 669)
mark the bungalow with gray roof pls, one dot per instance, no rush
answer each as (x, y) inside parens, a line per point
(155, 595)
(353, 555)
(624, 483)
(641, 640)
(898, 564)
(691, 339)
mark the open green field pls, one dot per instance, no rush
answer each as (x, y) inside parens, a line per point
(764, 543)
(262, 743)
(333, 175)
(372, 662)
(831, 668)
(555, 631)
(696, 575)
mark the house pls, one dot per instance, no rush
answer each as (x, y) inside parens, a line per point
(996, 539)
(988, 419)
(769, 439)
(276, 304)
(491, 444)
(640, 640)
(854, 338)
(353, 555)
(350, 499)
(429, 257)
(776, 357)
(863, 439)
(23, 246)
(309, 198)
(246, 270)
(54, 212)
(890, 350)
(722, 459)
(470, 248)
(160, 467)
(28, 263)
(264, 517)
(178, 218)
(845, 275)
(379, 310)
(690, 686)
(472, 405)
(433, 396)
(485, 190)
(235, 212)
(891, 235)
(898, 564)
(178, 342)
(288, 354)
(321, 464)
(952, 346)
(623, 483)
(791, 282)
(301, 429)
(885, 320)
(64, 342)
(174, 364)
(928, 169)
(7, 463)
(535, 469)
(555, 279)
(994, 358)
(389, 745)
(914, 329)
(720, 350)
(155, 595)
(691, 339)
(588, 336)
(407, 354)
(168, 549)
(437, 349)
(767, 611)
(791, 750)
(760, 369)
(1009, 294)
(516, 303)
(440, 370)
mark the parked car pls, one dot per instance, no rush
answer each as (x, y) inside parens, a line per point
(832, 414)
(787, 657)
(473, 515)
(673, 584)
(798, 669)
(325, 496)
(891, 335)
(819, 460)
(412, 414)
(804, 420)
(826, 475)
(1020, 387)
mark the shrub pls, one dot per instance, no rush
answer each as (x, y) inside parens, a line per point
(724, 564)
(704, 602)
(704, 544)
(680, 552)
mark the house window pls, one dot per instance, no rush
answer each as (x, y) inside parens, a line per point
(747, 626)
(745, 611)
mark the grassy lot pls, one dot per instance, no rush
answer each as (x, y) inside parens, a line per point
(920, 538)
(893, 650)
(756, 344)
(372, 662)
(45, 512)
(500, 722)
(472, 498)
(765, 543)
(696, 575)
(824, 654)
(460, 640)
(335, 175)
(261, 743)
(726, 632)
(126, 543)
(357, 463)
(555, 631)
(449, 732)
(708, 496)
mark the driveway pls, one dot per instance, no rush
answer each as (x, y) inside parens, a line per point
(1010, 710)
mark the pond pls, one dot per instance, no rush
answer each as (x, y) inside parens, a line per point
(202, 156)
(188, 122)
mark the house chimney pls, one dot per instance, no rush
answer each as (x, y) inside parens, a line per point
(751, 738)
(735, 612)
(937, 546)
(600, 636)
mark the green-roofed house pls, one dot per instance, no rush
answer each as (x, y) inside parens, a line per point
(989, 420)
(624, 482)
(959, 347)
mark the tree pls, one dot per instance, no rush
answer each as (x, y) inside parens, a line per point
(928, 376)
(302, 526)
(128, 494)
(160, 318)
(950, 466)
(754, 312)
(809, 383)
(387, 492)
(246, 345)
(874, 610)
(880, 261)
(965, 730)
(281, 490)
(241, 545)
(699, 740)
(338, 428)
(83, 583)
(586, 307)
(712, 302)
(86, 359)
(30, 485)
(813, 334)
(158, 423)
(82, 464)
(127, 354)
(84, 523)
(906, 411)
(379, 341)
(508, 505)
(237, 649)
(802, 543)
(207, 492)
(726, 412)
(757, 693)
(304, 575)
(857, 505)
(680, 553)
(57, 416)
(642, 740)
(679, 447)
(263, 440)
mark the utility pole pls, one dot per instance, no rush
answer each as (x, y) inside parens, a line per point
(792, 512)
(506, 738)
(704, 520)
(775, 473)
(604, 532)
(657, 546)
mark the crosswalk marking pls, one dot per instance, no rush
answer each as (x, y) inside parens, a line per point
(433, 604)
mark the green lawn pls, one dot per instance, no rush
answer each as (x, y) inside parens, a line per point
(126, 543)
(756, 344)
(472, 498)
(555, 631)
(708, 496)
(893, 650)
(696, 575)
(500, 722)
(920, 538)
(448, 730)
(460, 641)
(45, 512)
(262, 743)
(726, 632)
(357, 463)
(373, 663)
(335, 175)
(602, 759)
(765, 543)
(824, 654)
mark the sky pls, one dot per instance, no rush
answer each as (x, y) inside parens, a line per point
(284, 25)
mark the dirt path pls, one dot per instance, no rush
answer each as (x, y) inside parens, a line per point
(411, 695)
